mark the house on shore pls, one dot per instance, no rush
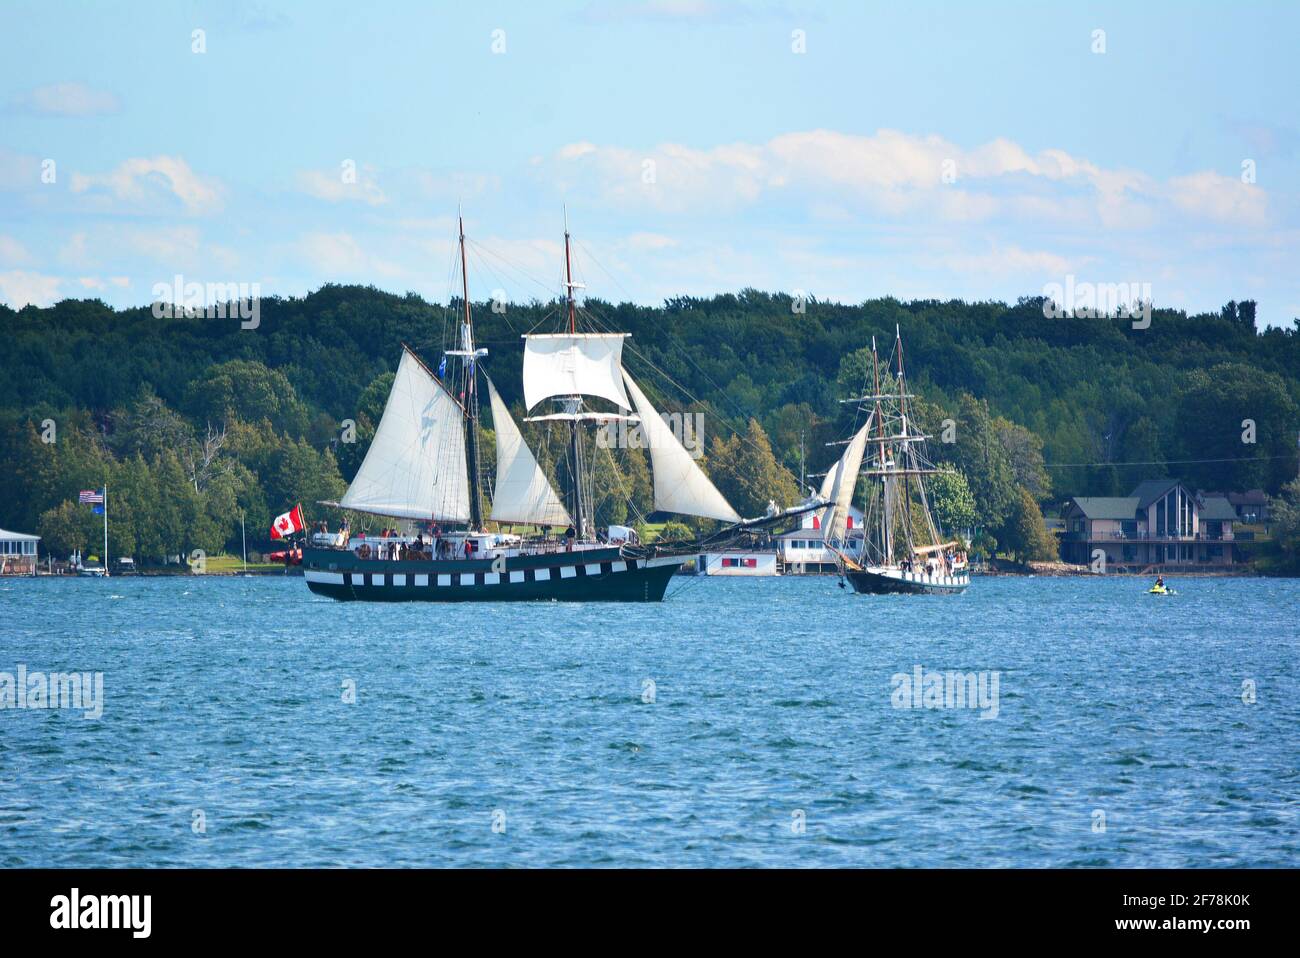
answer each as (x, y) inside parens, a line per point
(17, 553)
(803, 551)
(1161, 524)
(1251, 506)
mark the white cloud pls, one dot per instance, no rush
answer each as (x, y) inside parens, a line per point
(64, 99)
(1213, 196)
(145, 181)
(19, 288)
(897, 174)
(649, 242)
(331, 186)
(12, 252)
(1012, 261)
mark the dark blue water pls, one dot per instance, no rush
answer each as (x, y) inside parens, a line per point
(772, 701)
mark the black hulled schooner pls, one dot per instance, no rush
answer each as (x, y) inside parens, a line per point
(423, 469)
(904, 549)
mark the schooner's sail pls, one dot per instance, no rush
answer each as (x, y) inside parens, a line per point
(523, 493)
(837, 487)
(573, 364)
(680, 484)
(415, 467)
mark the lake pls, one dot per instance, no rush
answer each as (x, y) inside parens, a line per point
(762, 722)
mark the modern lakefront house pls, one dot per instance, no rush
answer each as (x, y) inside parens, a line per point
(1161, 524)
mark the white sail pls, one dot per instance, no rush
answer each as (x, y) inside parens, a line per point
(574, 364)
(523, 493)
(415, 467)
(680, 485)
(839, 484)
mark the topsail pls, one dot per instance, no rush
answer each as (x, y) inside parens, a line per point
(574, 364)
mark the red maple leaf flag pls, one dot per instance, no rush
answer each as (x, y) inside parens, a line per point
(287, 524)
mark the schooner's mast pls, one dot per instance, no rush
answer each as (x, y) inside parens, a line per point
(886, 525)
(468, 356)
(574, 403)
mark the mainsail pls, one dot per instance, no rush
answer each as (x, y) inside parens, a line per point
(523, 493)
(573, 364)
(839, 484)
(680, 485)
(415, 467)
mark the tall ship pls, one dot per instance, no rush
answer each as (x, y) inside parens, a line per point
(903, 547)
(423, 471)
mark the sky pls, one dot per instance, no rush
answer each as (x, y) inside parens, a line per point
(972, 150)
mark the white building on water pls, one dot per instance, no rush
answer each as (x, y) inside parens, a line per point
(17, 553)
(803, 550)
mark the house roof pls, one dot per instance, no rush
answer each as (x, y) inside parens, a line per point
(1149, 490)
(5, 534)
(1255, 497)
(1216, 508)
(1107, 507)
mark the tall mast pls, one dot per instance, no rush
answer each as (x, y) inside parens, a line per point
(471, 393)
(574, 402)
(886, 525)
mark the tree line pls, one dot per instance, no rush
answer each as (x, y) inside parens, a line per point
(194, 421)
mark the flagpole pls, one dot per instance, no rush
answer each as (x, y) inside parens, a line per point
(105, 528)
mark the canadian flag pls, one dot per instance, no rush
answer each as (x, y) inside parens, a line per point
(287, 524)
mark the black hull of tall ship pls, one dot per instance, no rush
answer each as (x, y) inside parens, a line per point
(897, 582)
(585, 575)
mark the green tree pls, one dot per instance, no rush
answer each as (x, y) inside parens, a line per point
(748, 475)
(951, 502)
(1241, 423)
(1025, 533)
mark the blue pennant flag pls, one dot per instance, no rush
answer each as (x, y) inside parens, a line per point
(442, 367)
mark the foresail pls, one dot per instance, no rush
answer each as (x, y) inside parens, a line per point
(415, 467)
(574, 364)
(839, 484)
(523, 493)
(680, 485)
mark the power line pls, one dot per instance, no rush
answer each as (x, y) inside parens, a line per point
(1163, 462)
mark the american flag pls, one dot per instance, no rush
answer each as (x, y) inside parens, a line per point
(94, 496)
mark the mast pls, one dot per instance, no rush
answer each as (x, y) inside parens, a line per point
(574, 403)
(105, 503)
(467, 354)
(886, 525)
(244, 538)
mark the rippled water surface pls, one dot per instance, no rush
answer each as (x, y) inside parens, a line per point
(771, 708)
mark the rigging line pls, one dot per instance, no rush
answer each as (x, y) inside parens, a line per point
(693, 398)
(486, 267)
(507, 264)
(1164, 462)
(689, 358)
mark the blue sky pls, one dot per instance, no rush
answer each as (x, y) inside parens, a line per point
(972, 150)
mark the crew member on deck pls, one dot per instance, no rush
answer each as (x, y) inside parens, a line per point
(570, 534)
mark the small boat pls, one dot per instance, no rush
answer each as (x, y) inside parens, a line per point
(1160, 590)
(904, 548)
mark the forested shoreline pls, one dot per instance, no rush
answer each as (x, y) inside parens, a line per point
(193, 421)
